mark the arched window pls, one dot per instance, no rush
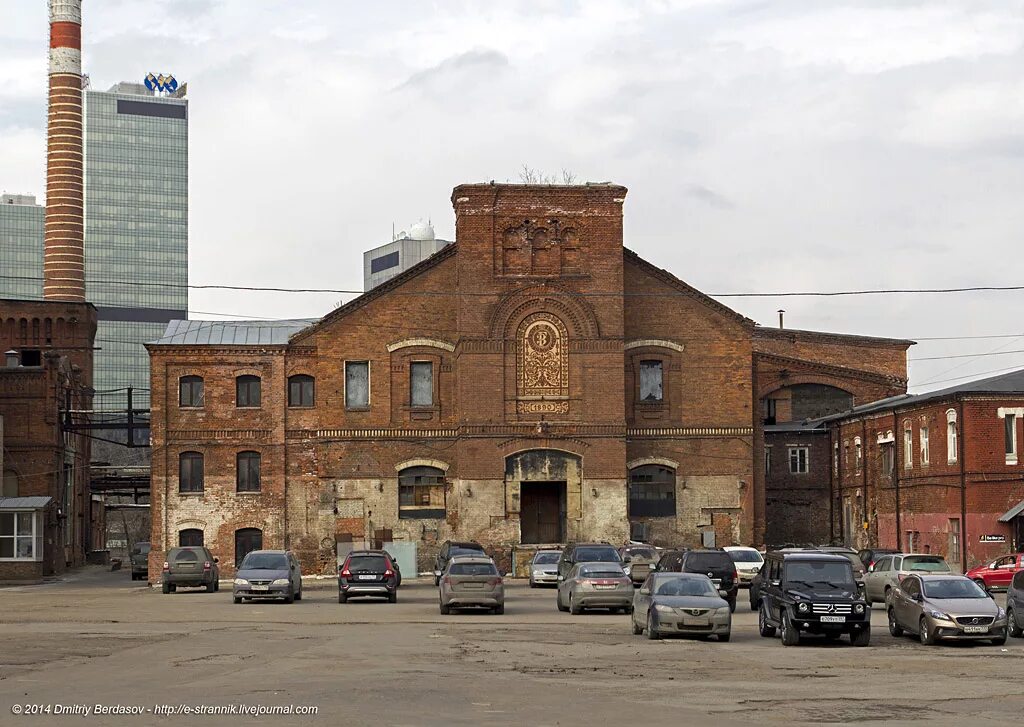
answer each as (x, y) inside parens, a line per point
(9, 484)
(421, 493)
(300, 390)
(247, 390)
(652, 491)
(247, 471)
(190, 537)
(951, 443)
(246, 541)
(190, 472)
(190, 391)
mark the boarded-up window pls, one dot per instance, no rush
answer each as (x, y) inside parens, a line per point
(650, 381)
(652, 491)
(421, 493)
(421, 382)
(357, 384)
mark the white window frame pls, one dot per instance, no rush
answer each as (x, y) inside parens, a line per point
(806, 460)
(908, 446)
(1017, 413)
(767, 459)
(858, 454)
(925, 444)
(951, 436)
(37, 554)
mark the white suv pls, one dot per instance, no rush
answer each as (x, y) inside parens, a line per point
(748, 562)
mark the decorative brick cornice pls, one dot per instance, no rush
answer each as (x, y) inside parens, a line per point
(192, 435)
(525, 430)
(806, 366)
(634, 432)
(417, 342)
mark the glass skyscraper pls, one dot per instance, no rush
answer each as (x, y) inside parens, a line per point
(21, 247)
(136, 228)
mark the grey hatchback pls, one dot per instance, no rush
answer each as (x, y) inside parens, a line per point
(190, 567)
(268, 574)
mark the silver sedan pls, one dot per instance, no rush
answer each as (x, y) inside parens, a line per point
(595, 585)
(683, 604)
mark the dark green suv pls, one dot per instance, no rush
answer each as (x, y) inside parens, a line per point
(812, 593)
(190, 566)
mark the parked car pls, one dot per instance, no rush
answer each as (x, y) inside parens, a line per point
(544, 568)
(139, 557)
(889, 570)
(754, 594)
(997, 573)
(940, 607)
(268, 574)
(595, 585)
(637, 561)
(368, 573)
(812, 592)
(1015, 606)
(574, 553)
(451, 548)
(715, 564)
(859, 569)
(870, 556)
(680, 603)
(748, 562)
(190, 566)
(470, 582)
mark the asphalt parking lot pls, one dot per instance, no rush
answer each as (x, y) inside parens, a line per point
(99, 638)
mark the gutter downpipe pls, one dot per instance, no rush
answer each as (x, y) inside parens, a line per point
(896, 477)
(963, 481)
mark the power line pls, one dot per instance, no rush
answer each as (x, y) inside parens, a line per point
(616, 293)
(967, 355)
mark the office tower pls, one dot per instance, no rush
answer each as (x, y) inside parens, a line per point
(21, 247)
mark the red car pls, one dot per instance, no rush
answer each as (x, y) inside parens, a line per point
(999, 572)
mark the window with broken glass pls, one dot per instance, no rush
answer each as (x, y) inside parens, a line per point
(421, 493)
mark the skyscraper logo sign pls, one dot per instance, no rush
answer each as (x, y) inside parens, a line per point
(164, 83)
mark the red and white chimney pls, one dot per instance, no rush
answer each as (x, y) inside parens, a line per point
(64, 239)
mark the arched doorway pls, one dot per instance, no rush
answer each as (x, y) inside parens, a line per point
(548, 484)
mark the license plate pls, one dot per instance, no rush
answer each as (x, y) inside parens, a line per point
(368, 578)
(261, 588)
(833, 619)
(695, 622)
(472, 585)
(604, 588)
(975, 629)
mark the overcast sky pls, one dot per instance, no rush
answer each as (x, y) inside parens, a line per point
(767, 146)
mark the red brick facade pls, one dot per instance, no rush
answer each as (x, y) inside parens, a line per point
(530, 335)
(948, 502)
(52, 351)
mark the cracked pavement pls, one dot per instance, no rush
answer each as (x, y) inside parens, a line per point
(98, 637)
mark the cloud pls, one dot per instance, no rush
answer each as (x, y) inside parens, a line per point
(854, 144)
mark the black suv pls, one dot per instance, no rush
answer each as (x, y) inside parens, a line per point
(139, 557)
(451, 548)
(808, 592)
(574, 553)
(716, 564)
(1015, 606)
(368, 573)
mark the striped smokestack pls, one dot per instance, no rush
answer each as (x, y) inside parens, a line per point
(64, 240)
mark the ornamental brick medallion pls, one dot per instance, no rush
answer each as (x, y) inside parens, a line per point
(542, 366)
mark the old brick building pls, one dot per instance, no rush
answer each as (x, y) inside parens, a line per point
(47, 518)
(939, 472)
(535, 382)
(802, 376)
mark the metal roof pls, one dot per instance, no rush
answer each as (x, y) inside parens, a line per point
(1012, 512)
(1009, 383)
(231, 333)
(24, 503)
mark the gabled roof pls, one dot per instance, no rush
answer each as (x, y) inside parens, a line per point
(829, 368)
(230, 333)
(386, 287)
(1011, 383)
(671, 280)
